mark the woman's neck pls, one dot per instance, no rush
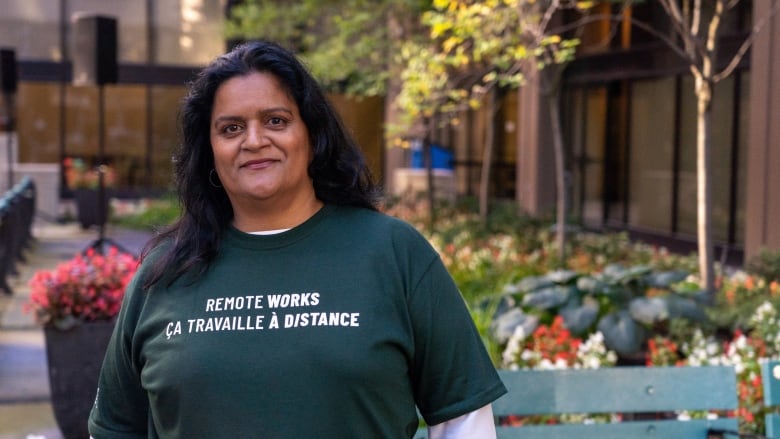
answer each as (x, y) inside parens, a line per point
(263, 216)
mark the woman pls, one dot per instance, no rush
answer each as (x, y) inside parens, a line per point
(282, 304)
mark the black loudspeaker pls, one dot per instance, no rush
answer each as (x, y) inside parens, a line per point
(94, 50)
(8, 71)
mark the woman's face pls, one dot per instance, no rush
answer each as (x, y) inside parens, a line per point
(260, 143)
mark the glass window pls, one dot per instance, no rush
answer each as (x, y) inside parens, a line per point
(30, 27)
(363, 117)
(164, 135)
(686, 189)
(615, 152)
(572, 126)
(744, 124)
(38, 122)
(651, 155)
(595, 108)
(125, 118)
(186, 30)
(720, 159)
(138, 160)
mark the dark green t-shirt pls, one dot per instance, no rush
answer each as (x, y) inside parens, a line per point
(337, 328)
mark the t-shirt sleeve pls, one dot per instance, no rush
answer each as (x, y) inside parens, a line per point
(121, 406)
(478, 424)
(452, 372)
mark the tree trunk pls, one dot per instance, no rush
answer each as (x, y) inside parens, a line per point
(560, 175)
(393, 155)
(487, 158)
(431, 197)
(703, 189)
(705, 84)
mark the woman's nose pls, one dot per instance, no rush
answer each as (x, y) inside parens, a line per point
(255, 136)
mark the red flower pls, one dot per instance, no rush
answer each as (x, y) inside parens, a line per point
(88, 287)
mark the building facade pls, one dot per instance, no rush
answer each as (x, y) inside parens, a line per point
(160, 47)
(628, 112)
(630, 128)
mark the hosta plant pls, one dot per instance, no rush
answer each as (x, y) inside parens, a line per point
(623, 303)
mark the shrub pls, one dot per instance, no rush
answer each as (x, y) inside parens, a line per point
(88, 287)
(765, 264)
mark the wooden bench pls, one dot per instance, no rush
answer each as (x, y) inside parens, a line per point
(648, 399)
(770, 377)
(17, 211)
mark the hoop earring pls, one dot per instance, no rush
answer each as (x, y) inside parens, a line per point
(211, 179)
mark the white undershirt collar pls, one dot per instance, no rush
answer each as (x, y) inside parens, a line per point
(269, 232)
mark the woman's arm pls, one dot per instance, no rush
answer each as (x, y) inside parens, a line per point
(478, 424)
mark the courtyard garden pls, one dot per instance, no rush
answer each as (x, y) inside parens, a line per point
(609, 302)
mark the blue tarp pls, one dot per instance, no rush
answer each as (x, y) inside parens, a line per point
(441, 158)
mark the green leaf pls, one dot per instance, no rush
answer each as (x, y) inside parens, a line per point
(531, 283)
(621, 333)
(562, 276)
(665, 279)
(649, 310)
(613, 271)
(634, 273)
(578, 320)
(546, 298)
(505, 324)
(685, 308)
(591, 285)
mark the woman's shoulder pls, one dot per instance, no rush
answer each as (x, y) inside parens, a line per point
(379, 229)
(372, 219)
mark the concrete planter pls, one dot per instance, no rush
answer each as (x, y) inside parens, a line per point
(74, 359)
(89, 209)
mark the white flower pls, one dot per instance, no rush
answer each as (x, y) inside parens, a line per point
(509, 356)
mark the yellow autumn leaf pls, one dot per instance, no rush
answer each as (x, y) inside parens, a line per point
(440, 28)
(449, 44)
(585, 5)
(440, 4)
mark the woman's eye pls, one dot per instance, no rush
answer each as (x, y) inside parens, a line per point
(275, 121)
(232, 128)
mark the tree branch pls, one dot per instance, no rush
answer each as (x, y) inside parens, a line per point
(670, 43)
(745, 46)
(691, 44)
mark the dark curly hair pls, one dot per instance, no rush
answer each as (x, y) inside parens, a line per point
(338, 170)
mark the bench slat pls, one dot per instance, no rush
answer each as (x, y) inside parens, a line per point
(629, 390)
(623, 430)
(770, 377)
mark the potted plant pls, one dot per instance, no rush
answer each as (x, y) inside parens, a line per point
(84, 181)
(77, 303)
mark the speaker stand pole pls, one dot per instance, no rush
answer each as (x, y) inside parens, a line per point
(101, 241)
(9, 129)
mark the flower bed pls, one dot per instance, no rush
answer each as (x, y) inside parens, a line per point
(493, 262)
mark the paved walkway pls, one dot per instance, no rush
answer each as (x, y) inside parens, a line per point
(25, 410)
